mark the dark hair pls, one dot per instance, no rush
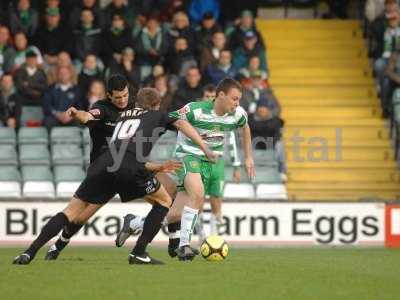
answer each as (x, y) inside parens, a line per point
(209, 88)
(148, 98)
(226, 84)
(116, 82)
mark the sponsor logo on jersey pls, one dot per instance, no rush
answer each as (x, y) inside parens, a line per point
(184, 110)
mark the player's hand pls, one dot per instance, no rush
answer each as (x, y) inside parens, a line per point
(249, 164)
(236, 175)
(170, 166)
(211, 155)
(71, 111)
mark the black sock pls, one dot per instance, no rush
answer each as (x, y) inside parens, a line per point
(173, 239)
(152, 225)
(69, 230)
(50, 230)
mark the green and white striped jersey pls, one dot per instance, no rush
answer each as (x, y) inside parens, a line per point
(211, 127)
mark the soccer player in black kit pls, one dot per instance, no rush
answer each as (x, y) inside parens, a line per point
(122, 169)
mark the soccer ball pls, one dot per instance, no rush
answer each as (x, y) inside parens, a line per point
(214, 248)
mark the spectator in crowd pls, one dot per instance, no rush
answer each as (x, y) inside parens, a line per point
(93, 6)
(250, 48)
(10, 102)
(211, 53)
(23, 17)
(222, 68)
(157, 70)
(231, 10)
(391, 43)
(63, 60)
(209, 92)
(392, 73)
(59, 97)
(116, 38)
(246, 24)
(161, 84)
(189, 89)
(92, 70)
(248, 76)
(373, 9)
(182, 58)
(181, 28)
(151, 44)
(205, 31)
(7, 52)
(198, 8)
(121, 8)
(266, 130)
(21, 46)
(127, 67)
(87, 36)
(96, 92)
(31, 80)
(52, 38)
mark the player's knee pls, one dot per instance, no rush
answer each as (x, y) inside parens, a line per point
(173, 216)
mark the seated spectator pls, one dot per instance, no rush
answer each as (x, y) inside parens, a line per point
(373, 9)
(10, 102)
(157, 70)
(254, 68)
(63, 60)
(205, 31)
(266, 131)
(392, 82)
(189, 90)
(241, 56)
(222, 68)
(96, 92)
(161, 85)
(198, 8)
(21, 46)
(181, 28)
(92, 70)
(209, 92)
(121, 8)
(211, 53)
(31, 80)
(52, 38)
(23, 17)
(238, 35)
(7, 52)
(126, 67)
(116, 38)
(93, 6)
(151, 44)
(87, 36)
(59, 97)
(181, 59)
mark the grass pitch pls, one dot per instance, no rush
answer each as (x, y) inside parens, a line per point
(247, 274)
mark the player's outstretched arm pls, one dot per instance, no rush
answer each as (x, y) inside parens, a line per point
(248, 153)
(169, 166)
(191, 133)
(80, 115)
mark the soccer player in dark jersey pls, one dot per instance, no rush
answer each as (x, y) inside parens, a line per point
(122, 169)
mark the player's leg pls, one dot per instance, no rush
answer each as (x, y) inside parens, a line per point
(161, 202)
(133, 224)
(216, 191)
(51, 229)
(70, 230)
(216, 212)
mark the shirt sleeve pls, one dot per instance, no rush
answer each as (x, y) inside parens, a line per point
(241, 117)
(233, 150)
(168, 121)
(184, 113)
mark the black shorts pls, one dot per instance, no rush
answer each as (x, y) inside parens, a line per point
(130, 181)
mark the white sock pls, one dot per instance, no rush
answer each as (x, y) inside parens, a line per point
(137, 223)
(200, 226)
(214, 221)
(188, 221)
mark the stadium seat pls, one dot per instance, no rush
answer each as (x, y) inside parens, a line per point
(31, 116)
(69, 154)
(34, 155)
(271, 192)
(37, 182)
(8, 155)
(67, 179)
(7, 136)
(162, 152)
(10, 186)
(33, 135)
(265, 158)
(65, 135)
(267, 175)
(86, 136)
(238, 191)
